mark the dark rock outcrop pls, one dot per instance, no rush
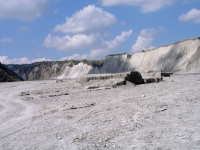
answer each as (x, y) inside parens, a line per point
(166, 74)
(134, 77)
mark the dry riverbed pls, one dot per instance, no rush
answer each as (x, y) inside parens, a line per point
(48, 115)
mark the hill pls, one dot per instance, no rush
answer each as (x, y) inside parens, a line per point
(7, 75)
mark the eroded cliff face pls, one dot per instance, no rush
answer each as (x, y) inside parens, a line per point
(180, 57)
(56, 69)
(40, 70)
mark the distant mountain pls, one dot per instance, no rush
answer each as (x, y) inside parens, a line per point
(7, 75)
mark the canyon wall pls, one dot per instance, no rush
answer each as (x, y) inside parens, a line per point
(180, 57)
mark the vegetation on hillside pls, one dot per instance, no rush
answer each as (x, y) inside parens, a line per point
(6, 75)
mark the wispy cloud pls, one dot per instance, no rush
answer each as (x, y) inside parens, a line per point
(23, 29)
(145, 5)
(191, 16)
(23, 60)
(6, 40)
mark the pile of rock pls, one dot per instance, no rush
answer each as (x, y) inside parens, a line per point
(138, 78)
(166, 74)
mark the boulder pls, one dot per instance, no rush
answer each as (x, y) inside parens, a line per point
(166, 74)
(135, 77)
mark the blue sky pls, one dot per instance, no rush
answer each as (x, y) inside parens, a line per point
(43, 30)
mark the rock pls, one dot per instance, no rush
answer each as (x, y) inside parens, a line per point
(59, 81)
(150, 80)
(55, 95)
(107, 138)
(92, 87)
(27, 98)
(134, 77)
(73, 107)
(152, 76)
(166, 74)
(24, 93)
(119, 83)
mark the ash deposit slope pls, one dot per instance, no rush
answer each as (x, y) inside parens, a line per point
(179, 57)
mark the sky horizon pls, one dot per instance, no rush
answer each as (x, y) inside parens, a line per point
(52, 30)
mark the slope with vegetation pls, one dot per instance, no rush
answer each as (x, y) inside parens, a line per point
(6, 75)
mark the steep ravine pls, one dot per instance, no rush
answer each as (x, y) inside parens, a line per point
(180, 57)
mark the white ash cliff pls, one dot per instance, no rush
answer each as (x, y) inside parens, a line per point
(180, 57)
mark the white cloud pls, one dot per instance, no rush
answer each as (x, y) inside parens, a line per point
(87, 27)
(145, 5)
(193, 15)
(144, 40)
(76, 42)
(82, 42)
(89, 20)
(110, 46)
(24, 29)
(106, 48)
(22, 9)
(6, 40)
(23, 60)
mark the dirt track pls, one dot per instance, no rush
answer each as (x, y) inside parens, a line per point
(65, 115)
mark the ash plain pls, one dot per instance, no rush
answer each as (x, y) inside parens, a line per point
(52, 115)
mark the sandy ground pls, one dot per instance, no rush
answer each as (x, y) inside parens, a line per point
(46, 115)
